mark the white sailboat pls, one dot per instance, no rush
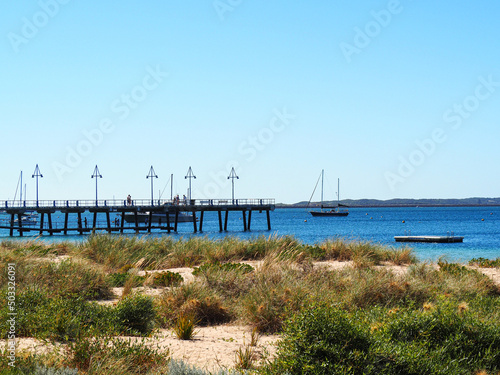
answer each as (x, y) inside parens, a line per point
(330, 210)
(28, 217)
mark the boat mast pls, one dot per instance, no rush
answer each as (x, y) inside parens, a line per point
(322, 176)
(338, 191)
(21, 190)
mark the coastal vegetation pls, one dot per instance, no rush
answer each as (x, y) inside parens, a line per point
(340, 306)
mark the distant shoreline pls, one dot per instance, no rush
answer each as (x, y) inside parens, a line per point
(282, 205)
(374, 203)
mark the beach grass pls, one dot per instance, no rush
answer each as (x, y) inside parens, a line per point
(391, 319)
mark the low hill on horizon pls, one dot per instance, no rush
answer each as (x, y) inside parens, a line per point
(401, 202)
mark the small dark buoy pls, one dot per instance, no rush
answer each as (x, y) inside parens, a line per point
(482, 219)
(371, 218)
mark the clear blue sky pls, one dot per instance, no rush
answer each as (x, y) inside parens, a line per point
(398, 99)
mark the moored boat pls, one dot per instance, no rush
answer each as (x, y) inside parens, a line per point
(330, 210)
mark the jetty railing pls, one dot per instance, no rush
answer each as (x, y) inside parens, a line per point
(118, 203)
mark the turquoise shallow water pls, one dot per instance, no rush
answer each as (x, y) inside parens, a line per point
(380, 225)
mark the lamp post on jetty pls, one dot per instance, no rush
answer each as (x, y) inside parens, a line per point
(232, 176)
(152, 174)
(189, 175)
(36, 174)
(95, 175)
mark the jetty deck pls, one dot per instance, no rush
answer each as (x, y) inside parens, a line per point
(74, 209)
(435, 239)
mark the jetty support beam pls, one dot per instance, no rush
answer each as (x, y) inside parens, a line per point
(80, 229)
(244, 214)
(194, 222)
(49, 216)
(122, 222)
(150, 219)
(66, 214)
(108, 221)
(20, 223)
(168, 221)
(201, 220)
(11, 224)
(42, 216)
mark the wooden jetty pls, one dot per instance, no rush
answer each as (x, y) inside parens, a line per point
(73, 209)
(438, 239)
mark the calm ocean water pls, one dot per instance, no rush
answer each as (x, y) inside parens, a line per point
(480, 227)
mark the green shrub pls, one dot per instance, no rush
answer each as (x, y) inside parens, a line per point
(316, 252)
(58, 318)
(485, 263)
(106, 355)
(136, 314)
(167, 279)
(118, 280)
(321, 339)
(28, 303)
(453, 334)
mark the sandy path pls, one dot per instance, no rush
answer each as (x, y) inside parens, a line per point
(214, 347)
(211, 349)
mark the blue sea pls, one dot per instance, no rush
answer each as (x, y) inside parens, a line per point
(480, 227)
